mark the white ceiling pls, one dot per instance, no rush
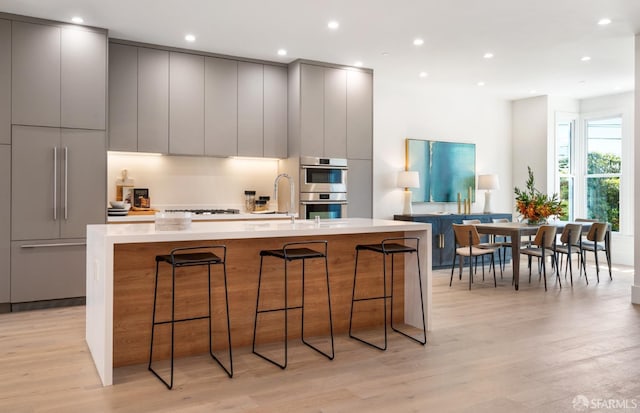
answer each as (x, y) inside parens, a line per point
(537, 44)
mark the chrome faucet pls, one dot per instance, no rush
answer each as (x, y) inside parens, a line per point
(291, 210)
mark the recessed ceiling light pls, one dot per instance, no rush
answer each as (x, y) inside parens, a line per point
(585, 58)
(481, 83)
(418, 42)
(424, 74)
(358, 64)
(604, 21)
(190, 38)
(533, 91)
(618, 88)
(488, 55)
(385, 53)
(282, 52)
(77, 19)
(333, 25)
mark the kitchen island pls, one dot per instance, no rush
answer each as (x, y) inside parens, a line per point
(121, 274)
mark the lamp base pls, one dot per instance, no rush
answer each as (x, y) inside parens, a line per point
(407, 209)
(487, 202)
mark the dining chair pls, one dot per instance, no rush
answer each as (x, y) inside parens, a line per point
(571, 243)
(596, 241)
(543, 246)
(503, 243)
(467, 245)
(491, 244)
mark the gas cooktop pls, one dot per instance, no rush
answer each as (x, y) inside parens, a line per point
(206, 211)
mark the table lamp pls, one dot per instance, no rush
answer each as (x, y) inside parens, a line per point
(406, 180)
(488, 182)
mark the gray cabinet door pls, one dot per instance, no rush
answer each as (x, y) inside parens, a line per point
(5, 221)
(35, 183)
(275, 111)
(153, 100)
(186, 104)
(5, 83)
(83, 79)
(83, 176)
(359, 115)
(311, 110)
(335, 113)
(221, 107)
(45, 270)
(250, 109)
(35, 66)
(360, 188)
(123, 98)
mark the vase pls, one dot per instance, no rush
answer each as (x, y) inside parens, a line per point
(537, 221)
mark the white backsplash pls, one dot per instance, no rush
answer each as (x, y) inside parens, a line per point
(190, 181)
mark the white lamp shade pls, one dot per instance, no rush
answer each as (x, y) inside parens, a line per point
(408, 179)
(488, 182)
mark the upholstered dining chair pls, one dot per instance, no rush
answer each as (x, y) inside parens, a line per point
(596, 241)
(492, 245)
(571, 243)
(543, 246)
(467, 245)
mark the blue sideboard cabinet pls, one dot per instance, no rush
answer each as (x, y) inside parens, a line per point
(443, 241)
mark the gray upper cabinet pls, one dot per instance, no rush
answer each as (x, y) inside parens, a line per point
(58, 178)
(83, 78)
(36, 74)
(250, 109)
(186, 104)
(123, 97)
(153, 100)
(83, 179)
(5, 221)
(335, 113)
(221, 107)
(275, 111)
(5, 83)
(359, 115)
(311, 110)
(360, 189)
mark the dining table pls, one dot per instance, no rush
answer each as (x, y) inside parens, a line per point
(516, 230)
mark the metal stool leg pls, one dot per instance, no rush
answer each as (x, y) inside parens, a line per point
(424, 325)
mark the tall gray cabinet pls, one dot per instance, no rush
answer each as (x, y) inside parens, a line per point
(56, 160)
(331, 115)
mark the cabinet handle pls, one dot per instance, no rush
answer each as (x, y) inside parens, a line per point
(442, 238)
(66, 187)
(55, 183)
(68, 244)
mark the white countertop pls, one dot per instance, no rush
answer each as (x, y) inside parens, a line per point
(146, 232)
(199, 217)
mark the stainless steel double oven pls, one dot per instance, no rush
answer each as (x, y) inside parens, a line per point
(323, 187)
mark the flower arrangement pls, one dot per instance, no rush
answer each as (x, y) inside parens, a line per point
(533, 205)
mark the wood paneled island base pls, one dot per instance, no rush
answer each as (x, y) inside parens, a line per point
(134, 275)
(121, 276)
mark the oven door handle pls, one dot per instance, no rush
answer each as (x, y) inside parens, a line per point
(342, 168)
(323, 202)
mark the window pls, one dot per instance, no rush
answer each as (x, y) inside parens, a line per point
(565, 132)
(603, 166)
(588, 168)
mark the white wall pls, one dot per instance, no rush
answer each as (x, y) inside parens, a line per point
(449, 113)
(530, 136)
(190, 182)
(635, 289)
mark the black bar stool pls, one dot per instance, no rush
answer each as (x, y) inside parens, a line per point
(388, 247)
(293, 251)
(190, 259)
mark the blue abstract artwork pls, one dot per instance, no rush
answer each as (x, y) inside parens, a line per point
(446, 169)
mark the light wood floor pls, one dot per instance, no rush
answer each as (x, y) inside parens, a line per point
(490, 350)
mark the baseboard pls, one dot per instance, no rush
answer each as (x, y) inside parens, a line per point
(635, 294)
(39, 305)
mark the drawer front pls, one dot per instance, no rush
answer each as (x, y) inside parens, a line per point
(47, 269)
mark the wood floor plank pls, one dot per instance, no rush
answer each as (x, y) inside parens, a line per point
(490, 350)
